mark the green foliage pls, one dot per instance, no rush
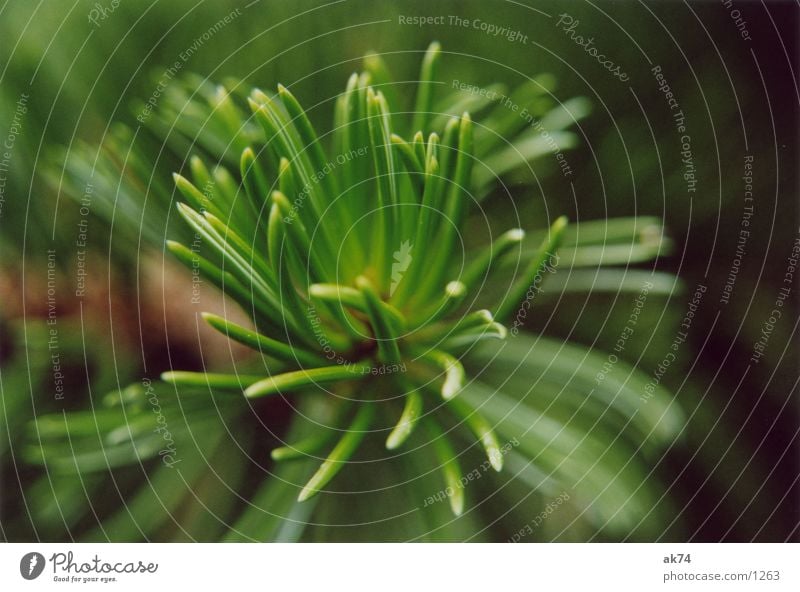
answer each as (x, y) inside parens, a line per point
(343, 249)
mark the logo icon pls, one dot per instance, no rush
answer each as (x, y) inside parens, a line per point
(402, 259)
(31, 565)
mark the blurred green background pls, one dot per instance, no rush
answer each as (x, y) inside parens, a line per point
(65, 78)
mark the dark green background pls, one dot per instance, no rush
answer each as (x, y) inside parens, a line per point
(735, 478)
